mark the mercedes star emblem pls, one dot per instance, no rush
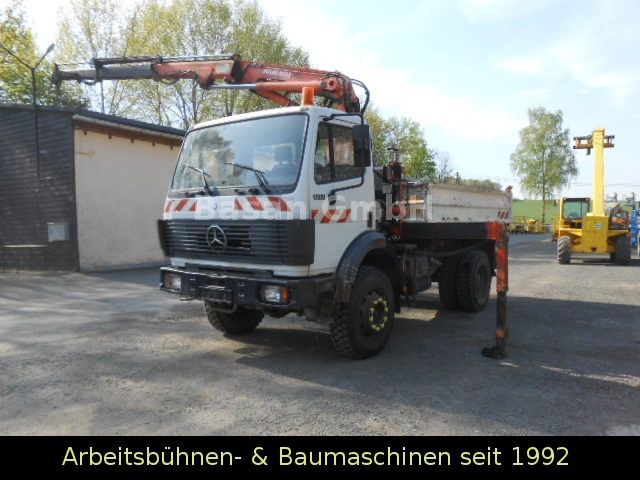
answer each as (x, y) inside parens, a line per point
(216, 238)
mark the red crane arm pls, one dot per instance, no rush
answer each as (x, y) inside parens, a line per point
(274, 82)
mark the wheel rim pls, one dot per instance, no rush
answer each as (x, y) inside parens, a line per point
(374, 314)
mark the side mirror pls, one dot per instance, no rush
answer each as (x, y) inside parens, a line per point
(361, 145)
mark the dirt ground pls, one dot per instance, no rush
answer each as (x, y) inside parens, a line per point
(110, 354)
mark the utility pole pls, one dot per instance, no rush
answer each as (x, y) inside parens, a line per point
(34, 99)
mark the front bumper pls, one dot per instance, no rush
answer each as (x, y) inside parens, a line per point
(229, 291)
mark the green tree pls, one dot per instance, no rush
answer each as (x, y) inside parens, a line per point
(380, 135)
(417, 158)
(175, 28)
(543, 160)
(407, 136)
(15, 78)
(481, 184)
(103, 28)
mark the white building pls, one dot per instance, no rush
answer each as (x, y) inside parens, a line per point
(92, 199)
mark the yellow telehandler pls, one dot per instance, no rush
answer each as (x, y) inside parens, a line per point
(595, 231)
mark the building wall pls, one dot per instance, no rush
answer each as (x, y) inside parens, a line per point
(26, 206)
(121, 187)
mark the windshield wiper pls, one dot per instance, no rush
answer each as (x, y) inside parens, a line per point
(208, 190)
(262, 180)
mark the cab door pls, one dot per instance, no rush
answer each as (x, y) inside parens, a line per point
(341, 195)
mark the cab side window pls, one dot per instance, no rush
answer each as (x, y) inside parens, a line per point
(322, 164)
(334, 158)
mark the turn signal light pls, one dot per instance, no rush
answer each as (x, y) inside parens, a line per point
(275, 294)
(172, 281)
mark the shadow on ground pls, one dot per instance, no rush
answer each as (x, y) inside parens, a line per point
(568, 360)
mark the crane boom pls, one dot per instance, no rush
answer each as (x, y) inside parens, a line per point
(271, 81)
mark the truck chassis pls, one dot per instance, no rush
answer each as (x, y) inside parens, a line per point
(452, 254)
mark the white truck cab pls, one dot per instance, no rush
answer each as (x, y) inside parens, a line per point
(270, 177)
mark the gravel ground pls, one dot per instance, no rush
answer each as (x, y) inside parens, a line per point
(110, 354)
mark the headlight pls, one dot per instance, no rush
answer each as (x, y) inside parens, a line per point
(275, 294)
(172, 281)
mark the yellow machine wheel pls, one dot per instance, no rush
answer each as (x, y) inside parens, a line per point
(564, 250)
(623, 251)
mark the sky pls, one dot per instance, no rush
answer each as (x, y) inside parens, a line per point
(468, 70)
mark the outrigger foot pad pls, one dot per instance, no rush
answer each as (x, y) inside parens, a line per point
(497, 351)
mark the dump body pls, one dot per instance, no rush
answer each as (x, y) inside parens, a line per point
(443, 203)
(457, 203)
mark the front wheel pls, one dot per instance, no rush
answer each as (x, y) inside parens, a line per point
(237, 323)
(564, 250)
(361, 328)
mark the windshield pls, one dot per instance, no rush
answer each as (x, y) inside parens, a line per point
(575, 209)
(261, 153)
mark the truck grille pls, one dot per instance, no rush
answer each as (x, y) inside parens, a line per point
(289, 242)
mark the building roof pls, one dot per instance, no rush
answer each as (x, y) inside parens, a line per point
(111, 119)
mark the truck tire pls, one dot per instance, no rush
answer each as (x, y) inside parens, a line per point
(237, 323)
(623, 250)
(447, 283)
(361, 328)
(564, 250)
(473, 281)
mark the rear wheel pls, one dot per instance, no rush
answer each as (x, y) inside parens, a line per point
(447, 283)
(623, 250)
(237, 323)
(564, 250)
(361, 328)
(473, 281)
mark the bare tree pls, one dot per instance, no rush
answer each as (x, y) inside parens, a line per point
(444, 167)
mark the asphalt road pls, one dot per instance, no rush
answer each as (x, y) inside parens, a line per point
(110, 354)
